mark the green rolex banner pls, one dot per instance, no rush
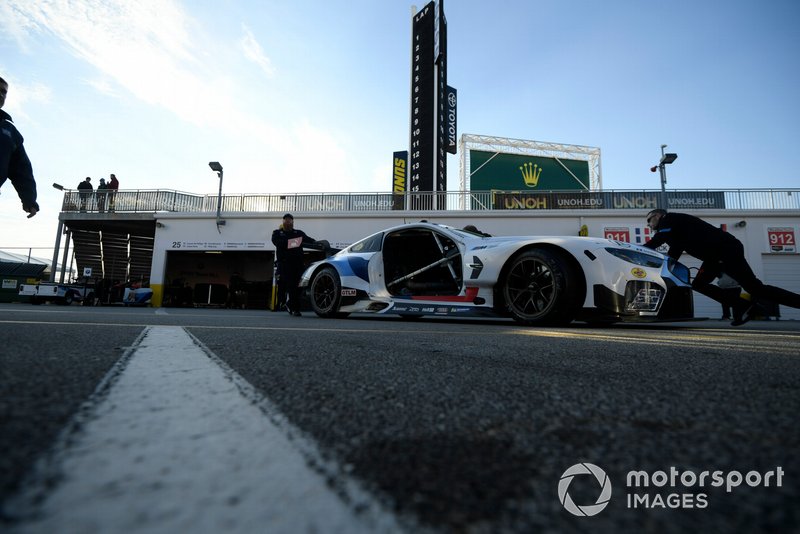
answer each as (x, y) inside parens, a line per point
(517, 172)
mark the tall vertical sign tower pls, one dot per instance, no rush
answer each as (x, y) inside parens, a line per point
(429, 108)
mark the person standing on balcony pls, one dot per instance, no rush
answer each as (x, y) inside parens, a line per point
(14, 162)
(102, 192)
(289, 243)
(720, 253)
(113, 185)
(85, 190)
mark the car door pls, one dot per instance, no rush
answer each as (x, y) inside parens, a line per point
(420, 262)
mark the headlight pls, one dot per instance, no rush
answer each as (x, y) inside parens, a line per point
(679, 270)
(634, 256)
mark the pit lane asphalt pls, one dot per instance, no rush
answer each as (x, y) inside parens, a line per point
(464, 425)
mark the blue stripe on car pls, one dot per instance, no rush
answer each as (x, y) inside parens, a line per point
(359, 267)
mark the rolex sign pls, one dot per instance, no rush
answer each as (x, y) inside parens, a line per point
(519, 172)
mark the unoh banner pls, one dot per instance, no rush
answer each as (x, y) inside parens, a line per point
(642, 200)
(515, 172)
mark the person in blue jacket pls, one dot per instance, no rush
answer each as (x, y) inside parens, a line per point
(14, 162)
(720, 253)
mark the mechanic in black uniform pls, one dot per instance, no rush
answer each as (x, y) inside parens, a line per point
(720, 252)
(289, 243)
(14, 162)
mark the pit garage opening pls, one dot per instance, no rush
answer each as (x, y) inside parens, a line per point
(223, 279)
(229, 279)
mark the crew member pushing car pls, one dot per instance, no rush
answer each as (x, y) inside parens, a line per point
(720, 252)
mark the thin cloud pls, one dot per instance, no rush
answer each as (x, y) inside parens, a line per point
(143, 45)
(103, 87)
(253, 51)
(146, 47)
(15, 25)
(20, 94)
(156, 51)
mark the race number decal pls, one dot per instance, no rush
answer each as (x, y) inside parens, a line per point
(618, 234)
(782, 240)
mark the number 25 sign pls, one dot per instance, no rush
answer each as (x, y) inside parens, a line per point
(781, 239)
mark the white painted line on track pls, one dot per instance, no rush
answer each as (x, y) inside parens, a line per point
(175, 446)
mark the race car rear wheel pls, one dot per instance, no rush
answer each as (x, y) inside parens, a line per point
(326, 293)
(541, 287)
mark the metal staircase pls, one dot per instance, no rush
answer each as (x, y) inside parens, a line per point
(113, 256)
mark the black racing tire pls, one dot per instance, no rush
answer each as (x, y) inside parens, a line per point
(542, 287)
(325, 293)
(68, 298)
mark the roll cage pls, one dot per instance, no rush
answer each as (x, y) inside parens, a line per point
(422, 262)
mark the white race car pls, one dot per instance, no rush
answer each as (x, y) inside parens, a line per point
(430, 269)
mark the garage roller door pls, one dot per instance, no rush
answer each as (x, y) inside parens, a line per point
(783, 271)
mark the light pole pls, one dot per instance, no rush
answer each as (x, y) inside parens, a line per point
(217, 168)
(666, 159)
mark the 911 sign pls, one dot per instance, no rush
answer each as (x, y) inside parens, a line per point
(618, 234)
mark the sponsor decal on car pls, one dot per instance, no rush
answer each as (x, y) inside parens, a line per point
(348, 292)
(638, 272)
(400, 307)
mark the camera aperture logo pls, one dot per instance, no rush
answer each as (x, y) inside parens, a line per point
(585, 510)
(684, 489)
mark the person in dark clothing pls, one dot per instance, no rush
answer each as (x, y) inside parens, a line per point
(14, 162)
(720, 252)
(85, 190)
(102, 191)
(113, 186)
(289, 243)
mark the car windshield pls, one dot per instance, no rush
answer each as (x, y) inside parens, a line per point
(368, 244)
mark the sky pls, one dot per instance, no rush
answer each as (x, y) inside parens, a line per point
(313, 96)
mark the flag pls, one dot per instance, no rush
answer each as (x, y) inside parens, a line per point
(642, 235)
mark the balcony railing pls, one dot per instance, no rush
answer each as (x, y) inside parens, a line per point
(148, 201)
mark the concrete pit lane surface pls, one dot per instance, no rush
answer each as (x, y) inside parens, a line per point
(143, 420)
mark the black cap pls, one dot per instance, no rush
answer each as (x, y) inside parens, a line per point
(289, 215)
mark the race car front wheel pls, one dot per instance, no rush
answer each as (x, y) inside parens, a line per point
(326, 293)
(540, 287)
